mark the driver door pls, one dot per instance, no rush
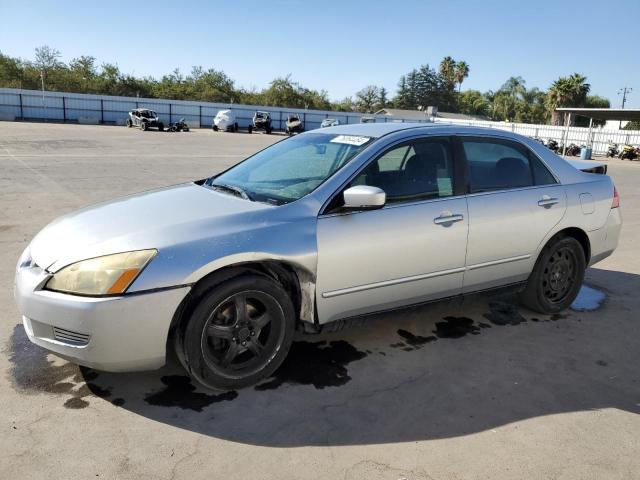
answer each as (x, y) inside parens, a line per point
(410, 251)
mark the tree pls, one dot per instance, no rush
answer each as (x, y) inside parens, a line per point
(367, 99)
(569, 91)
(402, 98)
(472, 102)
(46, 60)
(383, 98)
(448, 70)
(461, 71)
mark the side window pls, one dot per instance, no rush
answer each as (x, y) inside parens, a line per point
(541, 175)
(496, 164)
(416, 170)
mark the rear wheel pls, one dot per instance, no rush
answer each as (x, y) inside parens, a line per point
(129, 123)
(161, 127)
(239, 333)
(143, 126)
(557, 276)
(250, 128)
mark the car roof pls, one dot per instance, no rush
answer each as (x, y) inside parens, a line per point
(375, 129)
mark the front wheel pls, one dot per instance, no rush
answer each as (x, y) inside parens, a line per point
(557, 276)
(161, 127)
(143, 126)
(239, 333)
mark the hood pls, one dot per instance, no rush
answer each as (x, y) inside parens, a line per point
(153, 219)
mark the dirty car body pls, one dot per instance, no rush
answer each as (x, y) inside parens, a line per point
(430, 232)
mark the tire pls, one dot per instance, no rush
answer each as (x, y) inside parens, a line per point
(557, 276)
(224, 349)
(215, 128)
(161, 127)
(143, 126)
(129, 123)
(235, 127)
(250, 128)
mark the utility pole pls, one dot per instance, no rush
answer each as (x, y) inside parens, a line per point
(44, 104)
(623, 91)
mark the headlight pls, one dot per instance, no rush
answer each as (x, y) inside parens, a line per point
(108, 275)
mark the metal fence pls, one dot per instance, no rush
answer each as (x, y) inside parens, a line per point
(104, 109)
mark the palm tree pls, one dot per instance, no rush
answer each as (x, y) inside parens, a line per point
(461, 72)
(447, 70)
(569, 91)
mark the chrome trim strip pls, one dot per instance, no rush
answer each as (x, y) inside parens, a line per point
(498, 262)
(389, 283)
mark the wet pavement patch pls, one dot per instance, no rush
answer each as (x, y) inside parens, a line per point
(503, 313)
(180, 392)
(321, 364)
(588, 299)
(456, 327)
(415, 341)
(32, 372)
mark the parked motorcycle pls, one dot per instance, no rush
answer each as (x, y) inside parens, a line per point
(553, 145)
(179, 126)
(629, 152)
(613, 150)
(573, 150)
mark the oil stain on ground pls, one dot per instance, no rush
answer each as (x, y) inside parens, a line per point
(32, 372)
(180, 392)
(456, 327)
(503, 313)
(321, 364)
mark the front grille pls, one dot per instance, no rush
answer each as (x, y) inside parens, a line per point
(70, 337)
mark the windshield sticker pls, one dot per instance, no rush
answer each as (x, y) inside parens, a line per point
(351, 140)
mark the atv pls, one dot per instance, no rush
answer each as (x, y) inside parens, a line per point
(261, 121)
(144, 119)
(294, 125)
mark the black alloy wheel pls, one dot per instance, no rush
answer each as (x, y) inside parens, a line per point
(557, 276)
(239, 333)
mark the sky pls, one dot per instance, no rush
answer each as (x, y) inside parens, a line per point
(342, 46)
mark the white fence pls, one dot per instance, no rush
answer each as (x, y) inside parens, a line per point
(599, 138)
(105, 109)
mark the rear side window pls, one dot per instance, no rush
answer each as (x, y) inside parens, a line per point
(496, 164)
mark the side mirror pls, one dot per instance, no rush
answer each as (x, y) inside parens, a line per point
(364, 197)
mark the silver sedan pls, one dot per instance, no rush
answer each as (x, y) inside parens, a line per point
(323, 226)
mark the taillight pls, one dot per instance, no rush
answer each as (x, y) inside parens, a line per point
(616, 198)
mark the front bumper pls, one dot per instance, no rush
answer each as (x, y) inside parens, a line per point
(125, 333)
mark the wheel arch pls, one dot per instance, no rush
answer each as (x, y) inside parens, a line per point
(574, 232)
(296, 280)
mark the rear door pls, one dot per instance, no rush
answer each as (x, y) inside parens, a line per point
(514, 202)
(411, 250)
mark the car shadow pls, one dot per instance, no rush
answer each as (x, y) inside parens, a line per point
(423, 373)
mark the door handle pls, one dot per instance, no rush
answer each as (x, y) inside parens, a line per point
(447, 217)
(547, 201)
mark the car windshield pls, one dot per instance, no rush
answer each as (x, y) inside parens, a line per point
(290, 169)
(147, 114)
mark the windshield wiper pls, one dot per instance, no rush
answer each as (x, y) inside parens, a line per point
(232, 189)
